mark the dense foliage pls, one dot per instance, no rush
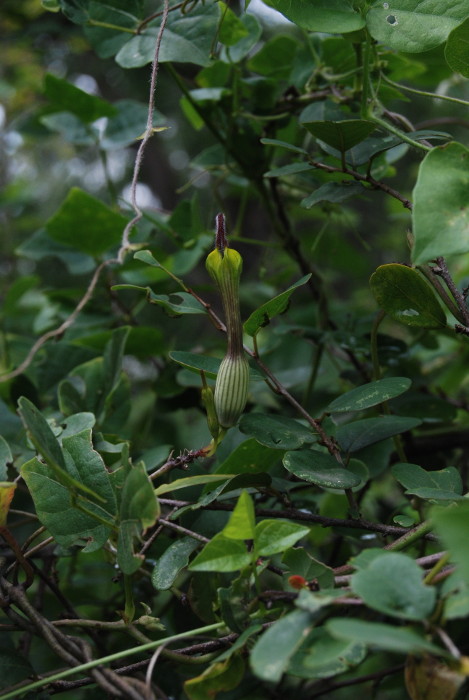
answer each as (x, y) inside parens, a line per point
(153, 546)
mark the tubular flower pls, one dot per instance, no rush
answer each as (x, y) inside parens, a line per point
(231, 388)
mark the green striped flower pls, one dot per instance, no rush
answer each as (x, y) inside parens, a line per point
(231, 388)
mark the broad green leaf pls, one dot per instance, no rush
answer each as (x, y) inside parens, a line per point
(440, 215)
(242, 521)
(86, 224)
(330, 16)
(361, 433)
(275, 57)
(400, 640)
(335, 192)
(174, 305)
(40, 246)
(274, 536)
(47, 444)
(221, 676)
(187, 38)
(61, 515)
(300, 563)
(320, 469)
(405, 296)
(51, 5)
(71, 128)
(171, 563)
(278, 432)
(392, 584)
(456, 49)
(139, 510)
(107, 40)
(222, 554)
(236, 52)
(271, 655)
(341, 135)
(191, 481)
(412, 26)
(278, 305)
(368, 395)
(443, 485)
(232, 28)
(65, 97)
(323, 656)
(452, 525)
(250, 457)
(6, 458)
(87, 467)
(197, 363)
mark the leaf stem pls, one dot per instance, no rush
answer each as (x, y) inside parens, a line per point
(424, 93)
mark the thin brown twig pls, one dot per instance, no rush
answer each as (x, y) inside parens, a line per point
(375, 184)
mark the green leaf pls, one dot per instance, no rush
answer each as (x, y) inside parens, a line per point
(405, 296)
(341, 135)
(275, 58)
(336, 192)
(271, 655)
(274, 536)
(368, 395)
(441, 212)
(6, 458)
(250, 457)
(278, 305)
(392, 584)
(231, 29)
(443, 485)
(139, 510)
(456, 49)
(361, 433)
(187, 38)
(171, 563)
(65, 97)
(86, 224)
(330, 16)
(278, 432)
(64, 519)
(452, 525)
(47, 444)
(242, 520)
(320, 469)
(218, 677)
(191, 481)
(300, 563)
(323, 656)
(71, 128)
(284, 144)
(105, 39)
(399, 640)
(222, 554)
(412, 26)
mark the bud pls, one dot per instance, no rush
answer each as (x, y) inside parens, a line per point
(231, 388)
(209, 403)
